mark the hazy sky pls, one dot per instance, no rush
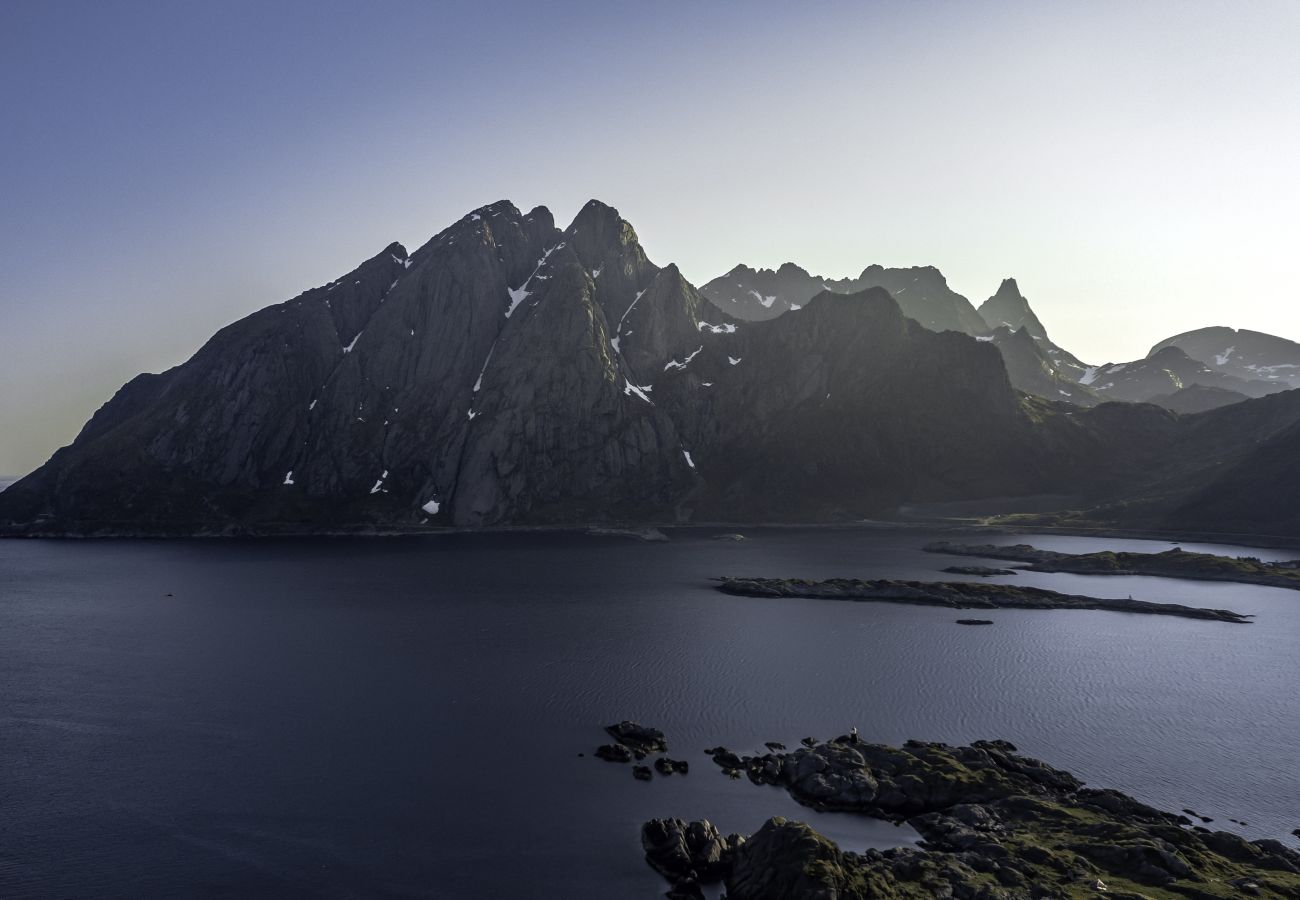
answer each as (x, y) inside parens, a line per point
(166, 168)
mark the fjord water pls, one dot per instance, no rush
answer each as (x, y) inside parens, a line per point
(404, 716)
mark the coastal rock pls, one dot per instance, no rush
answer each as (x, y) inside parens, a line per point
(960, 595)
(651, 535)
(640, 739)
(995, 824)
(665, 766)
(614, 753)
(678, 850)
(1172, 563)
(982, 571)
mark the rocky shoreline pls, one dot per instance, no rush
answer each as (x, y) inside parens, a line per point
(959, 595)
(1173, 563)
(995, 825)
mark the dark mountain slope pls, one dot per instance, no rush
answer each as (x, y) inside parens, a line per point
(843, 409)
(1259, 494)
(209, 438)
(1143, 467)
(1197, 398)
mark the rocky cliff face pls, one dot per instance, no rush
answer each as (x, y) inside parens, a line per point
(1249, 355)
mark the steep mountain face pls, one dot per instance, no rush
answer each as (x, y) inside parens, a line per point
(508, 372)
(1009, 309)
(1196, 398)
(1031, 369)
(1249, 355)
(367, 400)
(921, 291)
(1162, 373)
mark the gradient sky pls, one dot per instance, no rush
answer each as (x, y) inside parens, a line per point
(166, 168)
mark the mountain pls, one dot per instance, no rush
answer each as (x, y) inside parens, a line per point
(1224, 472)
(1165, 371)
(511, 373)
(1035, 364)
(1249, 355)
(1009, 309)
(1197, 398)
(1256, 494)
(1032, 370)
(755, 295)
(921, 291)
(508, 372)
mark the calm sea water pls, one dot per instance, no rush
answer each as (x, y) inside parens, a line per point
(403, 717)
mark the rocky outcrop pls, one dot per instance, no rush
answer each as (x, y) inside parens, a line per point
(960, 595)
(640, 739)
(694, 851)
(994, 824)
(1172, 563)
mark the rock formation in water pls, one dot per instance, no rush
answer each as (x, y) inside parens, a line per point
(995, 825)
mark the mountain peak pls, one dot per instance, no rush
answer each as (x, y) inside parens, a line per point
(599, 233)
(1009, 290)
(598, 217)
(1009, 307)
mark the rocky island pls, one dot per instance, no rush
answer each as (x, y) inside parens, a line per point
(960, 595)
(994, 824)
(1173, 563)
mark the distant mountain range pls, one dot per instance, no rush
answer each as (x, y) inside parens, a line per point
(512, 373)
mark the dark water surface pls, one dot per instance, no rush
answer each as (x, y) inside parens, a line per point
(402, 717)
